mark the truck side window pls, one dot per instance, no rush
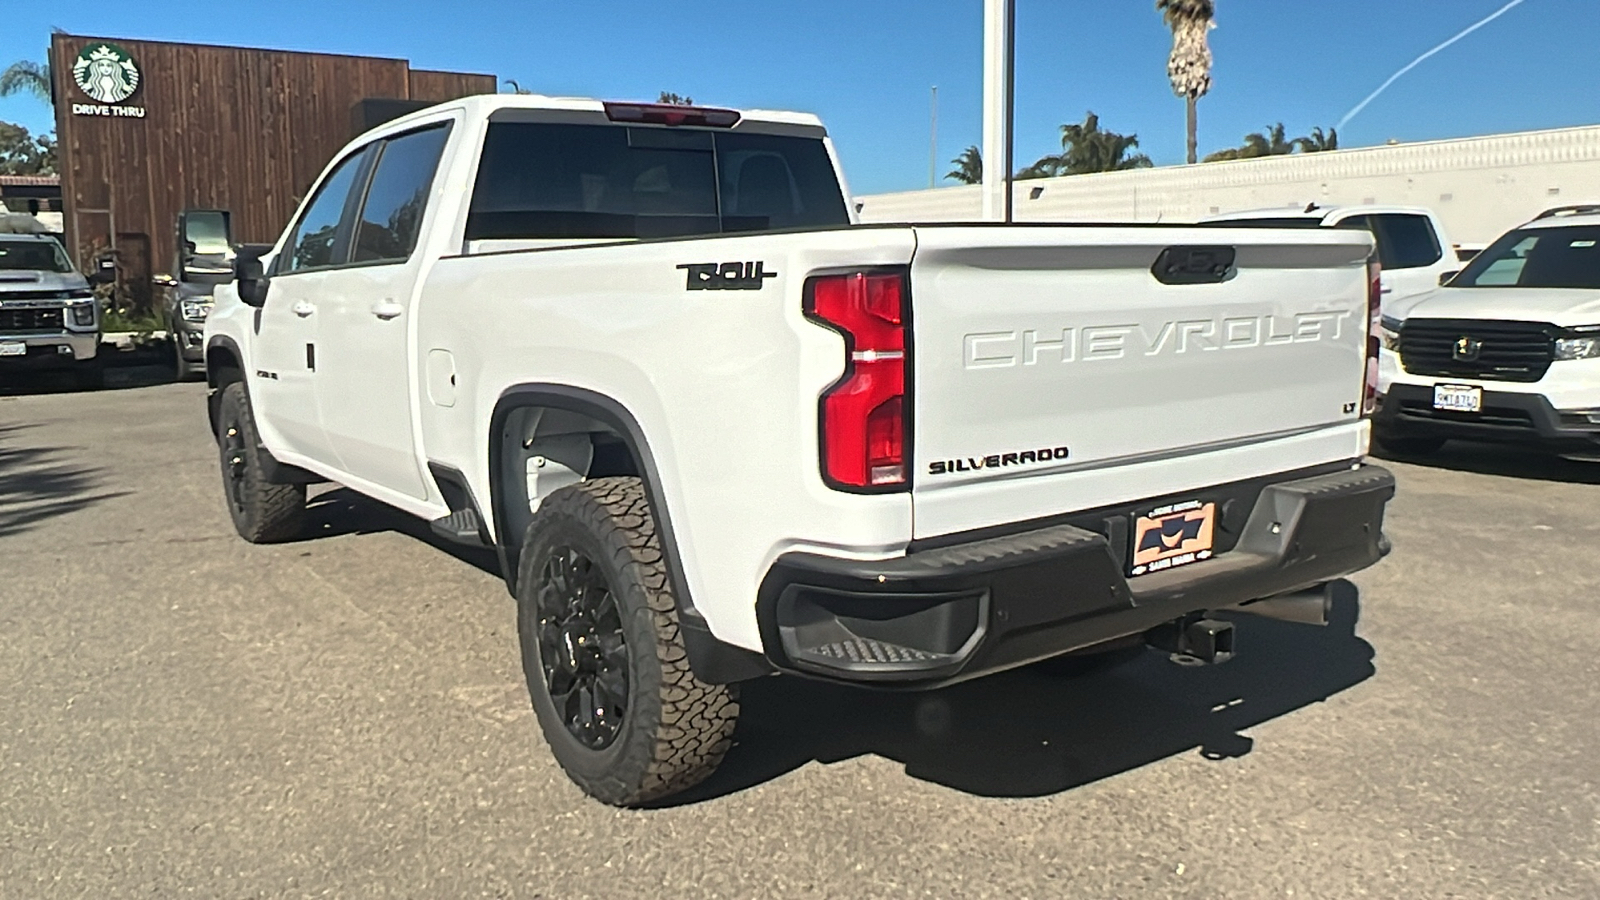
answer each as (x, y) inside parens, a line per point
(316, 237)
(1405, 241)
(391, 216)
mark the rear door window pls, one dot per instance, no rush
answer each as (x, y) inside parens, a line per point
(391, 216)
(543, 181)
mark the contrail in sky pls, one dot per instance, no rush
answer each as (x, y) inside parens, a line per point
(1423, 58)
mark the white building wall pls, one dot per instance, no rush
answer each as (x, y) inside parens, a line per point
(1480, 186)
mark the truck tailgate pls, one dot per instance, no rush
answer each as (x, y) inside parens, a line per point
(1053, 372)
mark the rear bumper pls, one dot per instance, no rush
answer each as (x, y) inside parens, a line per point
(939, 616)
(50, 351)
(1508, 417)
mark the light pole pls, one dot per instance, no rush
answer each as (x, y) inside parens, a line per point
(999, 90)
(933, 142)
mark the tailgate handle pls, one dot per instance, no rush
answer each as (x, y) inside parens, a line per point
(1194, 265)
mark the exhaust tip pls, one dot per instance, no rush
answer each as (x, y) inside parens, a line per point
(1309, 607)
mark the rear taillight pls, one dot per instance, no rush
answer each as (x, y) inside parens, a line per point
(1369, 401)
(863, 415)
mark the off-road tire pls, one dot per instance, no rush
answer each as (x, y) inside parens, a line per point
(182, 369)
(262, 513)
(674, 729)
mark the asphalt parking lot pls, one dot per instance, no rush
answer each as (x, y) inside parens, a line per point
(183, 714)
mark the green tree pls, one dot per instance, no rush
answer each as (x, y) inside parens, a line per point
(1189, 66)
(1317, 142)
(1274, 141)
(672, 99)
(968, 166)
(1086, 149)
(26, 77)
(23, 154)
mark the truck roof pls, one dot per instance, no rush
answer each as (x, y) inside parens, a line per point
(487, 104)
(1562, 216)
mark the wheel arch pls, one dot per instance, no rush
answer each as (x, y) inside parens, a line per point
(224, 366)
(509, 449)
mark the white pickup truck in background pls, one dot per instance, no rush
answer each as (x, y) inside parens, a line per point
(1415, 251)
(716, 430)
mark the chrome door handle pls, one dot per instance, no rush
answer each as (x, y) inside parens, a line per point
(303, 308)
(387, 309)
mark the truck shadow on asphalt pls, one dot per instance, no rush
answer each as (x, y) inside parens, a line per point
(339, 511)
(1501, 460)
(37, 484)
(1032, 732)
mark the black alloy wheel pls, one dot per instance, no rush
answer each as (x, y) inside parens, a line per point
(582, 647)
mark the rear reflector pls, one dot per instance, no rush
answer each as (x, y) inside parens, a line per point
(667, 114)
(863, 422)
(1369, 396)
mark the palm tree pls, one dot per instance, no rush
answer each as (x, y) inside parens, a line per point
(1274, 141)
(1086, 149)
(26, 77)
(671, 99)
(1189, 66)
(1317, 142)
(968, 166)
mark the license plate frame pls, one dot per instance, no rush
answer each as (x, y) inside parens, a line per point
(1172, 535)
(1458, 398)
(8, 348)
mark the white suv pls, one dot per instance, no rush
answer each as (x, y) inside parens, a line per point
(1509, 350)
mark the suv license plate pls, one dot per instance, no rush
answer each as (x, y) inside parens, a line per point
(13, 349)
(1458, 398)
(1173, 536)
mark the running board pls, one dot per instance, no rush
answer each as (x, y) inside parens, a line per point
(461, 527)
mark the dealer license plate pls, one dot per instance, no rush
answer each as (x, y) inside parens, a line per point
(1458, 398)
(1172, 536)
(13, 349)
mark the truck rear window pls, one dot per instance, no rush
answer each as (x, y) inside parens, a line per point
(543, 180)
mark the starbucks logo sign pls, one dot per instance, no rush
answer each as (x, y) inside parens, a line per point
(106, 73)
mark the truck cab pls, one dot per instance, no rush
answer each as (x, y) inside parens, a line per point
(1415, 251)
(49, 318)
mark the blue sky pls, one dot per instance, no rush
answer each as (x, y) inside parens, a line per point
(866, 67)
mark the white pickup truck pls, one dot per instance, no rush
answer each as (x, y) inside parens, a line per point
(716, 430)
(1415, 252)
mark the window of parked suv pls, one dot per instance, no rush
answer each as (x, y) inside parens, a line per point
(1538, 257)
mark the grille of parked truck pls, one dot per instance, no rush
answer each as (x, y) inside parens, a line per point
(716, 430)
(49, 318)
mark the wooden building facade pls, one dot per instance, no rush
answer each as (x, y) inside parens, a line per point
(147, 129)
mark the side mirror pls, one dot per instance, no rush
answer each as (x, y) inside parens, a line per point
(105, 273)
(250, 276)
(1445, 277)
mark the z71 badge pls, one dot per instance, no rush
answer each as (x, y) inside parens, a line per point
(733, 276)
